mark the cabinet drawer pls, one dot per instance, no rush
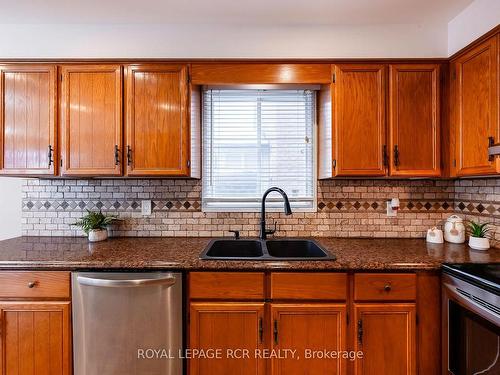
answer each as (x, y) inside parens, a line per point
(312, 286)
(28, 284)
(389, 286)
(226, 285)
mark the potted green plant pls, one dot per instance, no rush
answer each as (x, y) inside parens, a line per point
(95, 225)
(479, 235)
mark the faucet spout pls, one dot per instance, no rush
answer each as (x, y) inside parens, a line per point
(288, 211)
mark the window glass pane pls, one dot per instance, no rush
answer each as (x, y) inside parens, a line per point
(255, 139)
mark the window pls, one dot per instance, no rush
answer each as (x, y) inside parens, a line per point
(254, 139)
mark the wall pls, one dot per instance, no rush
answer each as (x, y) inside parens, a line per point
(354, 208)
(222, 41)
(10, 207)
(474, 21)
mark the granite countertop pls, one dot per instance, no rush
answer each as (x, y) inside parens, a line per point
(68, 253)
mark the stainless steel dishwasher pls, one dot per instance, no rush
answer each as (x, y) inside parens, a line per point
(127, 323)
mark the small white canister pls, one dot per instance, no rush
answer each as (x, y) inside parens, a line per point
(435, 235)
(454, 229)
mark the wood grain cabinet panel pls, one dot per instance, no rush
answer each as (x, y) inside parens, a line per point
(386, 334)
(28, 95)
(309, 286)
(314, 327)
(158, 130)
(91, 123)
(227, 285)
(475, 79)
(35, 284)
(414, 126)
(35, 338)
(227, 326)
(385, 287)
(359, 100)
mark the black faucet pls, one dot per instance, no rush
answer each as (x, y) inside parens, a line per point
(288, 211)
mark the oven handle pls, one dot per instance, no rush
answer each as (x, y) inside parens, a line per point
(471, 304)
(90, 281)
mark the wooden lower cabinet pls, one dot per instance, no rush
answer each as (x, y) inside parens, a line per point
(309, 330)
(227, 326)
(386, 333)
(35, 338)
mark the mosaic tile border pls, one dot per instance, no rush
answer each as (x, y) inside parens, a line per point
(380, 206)
(109, 205)
(478, 208)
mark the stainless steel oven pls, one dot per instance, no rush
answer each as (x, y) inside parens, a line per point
(471, 319)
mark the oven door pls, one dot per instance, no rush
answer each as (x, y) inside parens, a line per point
(471, 333)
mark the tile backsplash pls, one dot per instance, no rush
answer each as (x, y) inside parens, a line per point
(345, 208)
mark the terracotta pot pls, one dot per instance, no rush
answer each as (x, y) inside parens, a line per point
(97, 235)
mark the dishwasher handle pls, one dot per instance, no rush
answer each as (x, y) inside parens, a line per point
(107, 283)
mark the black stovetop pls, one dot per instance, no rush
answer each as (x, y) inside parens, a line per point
(486, 275)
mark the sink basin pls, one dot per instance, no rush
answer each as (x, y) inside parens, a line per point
(235, 249)
(285, 249)
(295, 249)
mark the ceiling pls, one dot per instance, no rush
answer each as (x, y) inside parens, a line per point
(254, 12)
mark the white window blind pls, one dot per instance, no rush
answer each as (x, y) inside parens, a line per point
(254, 139)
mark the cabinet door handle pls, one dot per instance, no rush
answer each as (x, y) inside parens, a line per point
(491, 142)
(117, 155)
(261, 331)
(129, 155)
(360, 331)
(49, 155)
(384, 155)
(396, 155)
(387, 287)
(31, 284)
(275, 332)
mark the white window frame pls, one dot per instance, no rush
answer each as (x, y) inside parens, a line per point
(272, 197)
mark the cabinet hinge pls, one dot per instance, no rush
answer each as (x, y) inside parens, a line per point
(188, 78)
(454, 162)
(61, 77)
(347, 318)
(334, 163)
(416, 319)
(61, 163)
(333, 78)
(189, 163)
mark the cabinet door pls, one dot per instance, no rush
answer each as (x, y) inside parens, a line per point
(414, 120)
(157, 120)
(227, 326)
(359, 120)
(476, 100)
(91, 122)
(28, 97)
(385, 333)
(35, 338)
(309, 329)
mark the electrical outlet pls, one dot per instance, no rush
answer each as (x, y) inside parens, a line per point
(146, 208)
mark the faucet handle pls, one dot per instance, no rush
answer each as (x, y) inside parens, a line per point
(236, 234)
(272, 231)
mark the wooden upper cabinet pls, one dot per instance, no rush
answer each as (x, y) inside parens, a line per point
(227, 326)
(35, 338)
(157, 125)
(91, 121)
(313, 327)
(386, 333)
(28, 95)
(359, 102)
(475, 79)
(414, 120)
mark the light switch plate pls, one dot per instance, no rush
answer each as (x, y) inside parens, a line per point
(390, 212)
(146, 208)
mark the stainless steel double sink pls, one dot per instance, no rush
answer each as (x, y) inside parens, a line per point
(255, 249)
